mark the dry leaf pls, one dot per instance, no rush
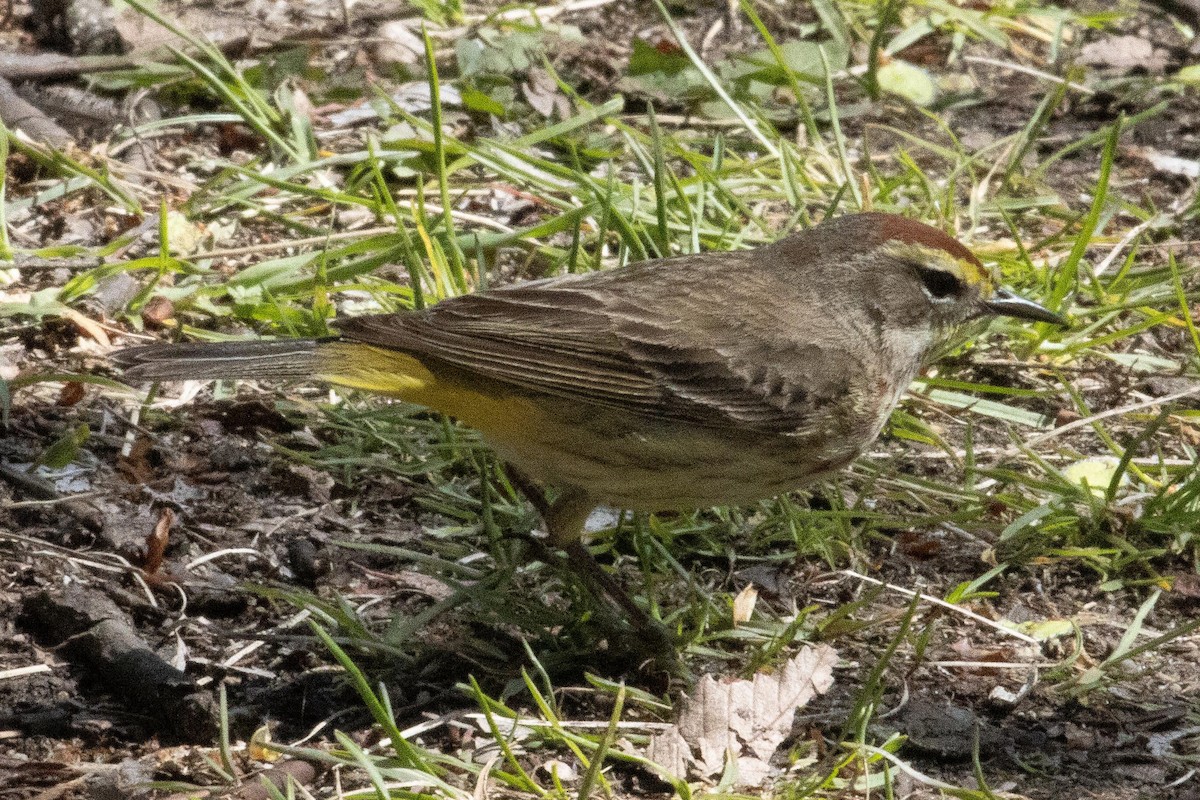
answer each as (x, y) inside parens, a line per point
(670, 751)
(88, 326)
(1123, 53)
(554, 767)
(746, 719)
(72, 392)
(259, 746)
(397, 43)
(157, 311)
(156, 542)
(542, 93)
(743, 604)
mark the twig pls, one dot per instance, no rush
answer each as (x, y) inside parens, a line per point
(905, 767)
(1112, 412)
(21, 672)
(1037, 73)
(988, 664)
(1108, 260)
(849, 573)
(31, 120)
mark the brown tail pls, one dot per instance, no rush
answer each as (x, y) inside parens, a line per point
(287, 358)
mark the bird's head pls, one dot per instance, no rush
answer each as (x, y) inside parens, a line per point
(919, 276)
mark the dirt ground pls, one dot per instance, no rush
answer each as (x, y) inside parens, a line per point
(171, 554)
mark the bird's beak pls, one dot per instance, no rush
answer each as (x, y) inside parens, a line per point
(1008, 304)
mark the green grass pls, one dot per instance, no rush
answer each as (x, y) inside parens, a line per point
(975, 447)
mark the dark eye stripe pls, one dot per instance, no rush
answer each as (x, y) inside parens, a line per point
(939, 283)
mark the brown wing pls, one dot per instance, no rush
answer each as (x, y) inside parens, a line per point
(628, 339)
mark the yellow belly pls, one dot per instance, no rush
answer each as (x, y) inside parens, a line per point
(624, 460)
(641, 464)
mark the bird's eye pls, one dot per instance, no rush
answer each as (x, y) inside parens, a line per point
(939, 283)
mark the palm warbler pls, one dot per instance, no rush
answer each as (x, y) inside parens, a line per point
(685, 382)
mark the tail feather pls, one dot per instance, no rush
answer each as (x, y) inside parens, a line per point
(286, 358)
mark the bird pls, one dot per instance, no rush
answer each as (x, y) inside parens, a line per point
(710, 379)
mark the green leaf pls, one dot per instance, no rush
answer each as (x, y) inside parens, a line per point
(1094, 473)
(64, 451)
(664, 72)
(647, 58)
(1044, 630)
(499, 52)
(800, 56)
(988, 408)
(1189, 74)
(908, 81)
(475, 100)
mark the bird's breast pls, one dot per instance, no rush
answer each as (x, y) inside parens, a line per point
(646, 465)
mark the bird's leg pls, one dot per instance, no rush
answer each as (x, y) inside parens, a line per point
(565, 518)
(528, 487)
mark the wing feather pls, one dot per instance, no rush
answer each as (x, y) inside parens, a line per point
(625, 339)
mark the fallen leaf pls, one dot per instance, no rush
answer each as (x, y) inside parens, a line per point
(397, 43)
(184, 237)
(72, 392)
(1124, 53)
(743, 720)
(88, 326)
(157, 311)
(542, 93)
(156, 542)
(743, 604)
(560, 770)
(908, 81)
(1095, 474)
(1043, 630)
(259, 747)
(670, 751)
